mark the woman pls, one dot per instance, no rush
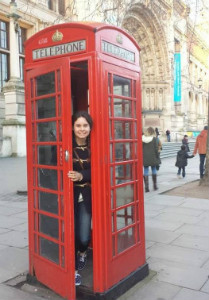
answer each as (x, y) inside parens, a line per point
(150, 157)
(81, 177)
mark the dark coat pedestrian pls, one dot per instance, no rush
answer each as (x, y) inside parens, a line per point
(181, 160)
(185, 142)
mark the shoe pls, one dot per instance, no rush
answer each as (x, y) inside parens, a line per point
(77, 279)
(81, 261)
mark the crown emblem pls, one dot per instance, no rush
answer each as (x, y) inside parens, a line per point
(119, 39)
(57, 36)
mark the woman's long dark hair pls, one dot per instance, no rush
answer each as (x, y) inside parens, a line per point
(86, 116)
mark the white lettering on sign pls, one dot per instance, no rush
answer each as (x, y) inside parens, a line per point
(118, 51)
(60, 49)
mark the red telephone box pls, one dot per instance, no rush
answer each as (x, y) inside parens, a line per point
(94, 67)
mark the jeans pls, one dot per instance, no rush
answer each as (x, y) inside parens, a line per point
(82, 229)
(146, 171)
(202, 162)
(183, 171)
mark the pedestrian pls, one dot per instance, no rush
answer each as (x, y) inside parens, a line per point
(159, 144)
(201, 148)
(81, 178)
(181, 161)
(168, 134)
(157, 132)
(150, 157)
(185, 142)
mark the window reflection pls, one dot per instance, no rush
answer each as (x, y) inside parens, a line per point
(49, 250)
(47, 155)
(49, 226)
(46, 108)
(122, 108)
(126, 239)
(123, 173)
(46, 131)
(124, 195)
(45, 84)
(125, 217)
(121, 86)
(47, 178)
(48, 202)
(122, 151)
(122, 130)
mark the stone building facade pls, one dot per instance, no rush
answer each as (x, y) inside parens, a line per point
(162, 29)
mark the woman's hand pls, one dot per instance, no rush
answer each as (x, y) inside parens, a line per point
(75, 176)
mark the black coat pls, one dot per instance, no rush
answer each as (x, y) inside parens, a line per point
(84, 167)
(150, 151)
(181, 159)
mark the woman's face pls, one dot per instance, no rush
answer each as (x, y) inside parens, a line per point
(81, 128)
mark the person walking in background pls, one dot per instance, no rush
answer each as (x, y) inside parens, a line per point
(201, 148)
(159, 144)
(185, 142)
(150, 157)
(181, 161)
(168, 134)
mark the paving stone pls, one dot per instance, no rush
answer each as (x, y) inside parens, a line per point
(153, 290)
(10, 293)
(153, 207)
(205, 287)
(189, 294)
(197, 203)
(192, 241)
(173, 217)
(13, 261)
(8, 211)
(153, 223)
(15, 239)
(160, 235)
(184, 211)
(186, 256)
(167, 200)
(193, 230)
(178, 273)
(7, 223)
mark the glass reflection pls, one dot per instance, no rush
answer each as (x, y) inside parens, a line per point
(47, 178)
(121, 86)
(125, 217)
(123, 173)
(49, 250)
(126, 239)
(48, 202)
(46, 108)
(122, 108)
(122, 130)
(122, 151)
(46, 131)
(49, 226)
(124, 195)
(47, 155)
(45, 84)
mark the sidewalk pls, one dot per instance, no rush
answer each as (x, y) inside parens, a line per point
(177, 237)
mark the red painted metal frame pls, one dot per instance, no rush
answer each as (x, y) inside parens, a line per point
(108, 270)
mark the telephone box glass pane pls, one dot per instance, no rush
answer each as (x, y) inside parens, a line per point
(121, 86)
(122, 130)
(48, 202)
(123, 173)
(122, 108)
(46, 108)
(47, 178)
(125, 217)
(122, 151)
(49, 226)
(45, 84)
(49, 250)
(124, 195)
(47, 155)
(126, 239)
(46, 131)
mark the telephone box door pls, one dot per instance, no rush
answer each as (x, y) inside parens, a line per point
(49, 136)
(126, 211)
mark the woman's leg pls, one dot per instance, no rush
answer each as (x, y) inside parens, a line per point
(154, 177)
(146, 179)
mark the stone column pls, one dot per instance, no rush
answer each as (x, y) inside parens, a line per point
(14, 123)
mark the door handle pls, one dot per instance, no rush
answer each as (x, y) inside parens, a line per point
(66, 155)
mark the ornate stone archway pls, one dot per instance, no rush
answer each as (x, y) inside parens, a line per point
(147, 25)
